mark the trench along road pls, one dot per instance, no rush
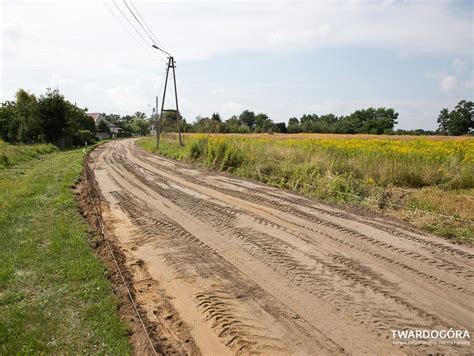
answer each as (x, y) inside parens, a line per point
(224, 266)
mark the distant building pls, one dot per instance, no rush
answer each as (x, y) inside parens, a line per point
(116, 131)
(97, 117)
(152, 127)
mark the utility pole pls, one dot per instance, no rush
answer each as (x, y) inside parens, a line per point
(176, 97)
(171, 64)
(163, 100)
(157, 124)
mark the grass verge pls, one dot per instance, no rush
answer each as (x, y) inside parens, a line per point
(55, 297)
(415, 180)
(13, 154)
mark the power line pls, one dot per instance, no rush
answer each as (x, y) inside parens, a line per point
(148, 27)
(162, 84)
(129, 32)
(131, 24)
(141, 25)
(135, 17)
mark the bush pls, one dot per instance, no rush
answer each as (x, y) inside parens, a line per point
(47, 119)
(222, 155)
(83, 138)
(197, 149)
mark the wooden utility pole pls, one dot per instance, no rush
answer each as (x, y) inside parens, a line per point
(171, 64)
(177, 107)
(157, 124)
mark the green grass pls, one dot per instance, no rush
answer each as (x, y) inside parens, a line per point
(54, 293)
(13, 154)
(434, 176)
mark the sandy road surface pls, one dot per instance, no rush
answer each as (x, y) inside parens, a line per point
(223, 266)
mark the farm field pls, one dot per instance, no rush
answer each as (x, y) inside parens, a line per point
(303, 136)
(222, 265)
(55, 297)
(427, 181)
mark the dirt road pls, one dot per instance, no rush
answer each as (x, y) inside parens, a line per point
(222, 266)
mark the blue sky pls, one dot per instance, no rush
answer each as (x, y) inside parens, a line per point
(282, 58)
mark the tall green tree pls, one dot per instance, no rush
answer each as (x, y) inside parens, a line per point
(281, 127)
(49, 118)
(168, 122)
(7, 119)
(140, 126)
(103, 127)
(263, 123)
(28, 124)
(140, 115)
(216, 117)
(443, 119)
(461, 119)
(307, 123)
(232, 124)
(52, 110)
(293, 125)
(210, 125)
(247, 118)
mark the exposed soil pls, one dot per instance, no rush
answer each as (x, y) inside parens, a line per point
(221, 266)
(169, 336)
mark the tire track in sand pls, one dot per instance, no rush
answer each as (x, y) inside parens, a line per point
(265, 271)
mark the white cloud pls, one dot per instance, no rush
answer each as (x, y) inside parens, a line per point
(448, 83)
(409, 28)
(72, 32)
(80, 48)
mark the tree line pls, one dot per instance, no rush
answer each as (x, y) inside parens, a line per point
(460, 121)
(371, 120)
(50, 118)
(136, 124)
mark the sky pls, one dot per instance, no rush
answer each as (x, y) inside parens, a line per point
(284, 58)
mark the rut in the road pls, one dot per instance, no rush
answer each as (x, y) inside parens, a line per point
(317, 276)
(272, 272)
(190, 258)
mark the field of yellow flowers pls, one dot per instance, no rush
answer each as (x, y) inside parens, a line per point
(405, 175)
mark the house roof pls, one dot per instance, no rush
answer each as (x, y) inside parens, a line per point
(115, 127)
(94, 115)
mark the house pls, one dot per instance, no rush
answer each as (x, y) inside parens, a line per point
(102, 135)
(116, 131)
(97, 117)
